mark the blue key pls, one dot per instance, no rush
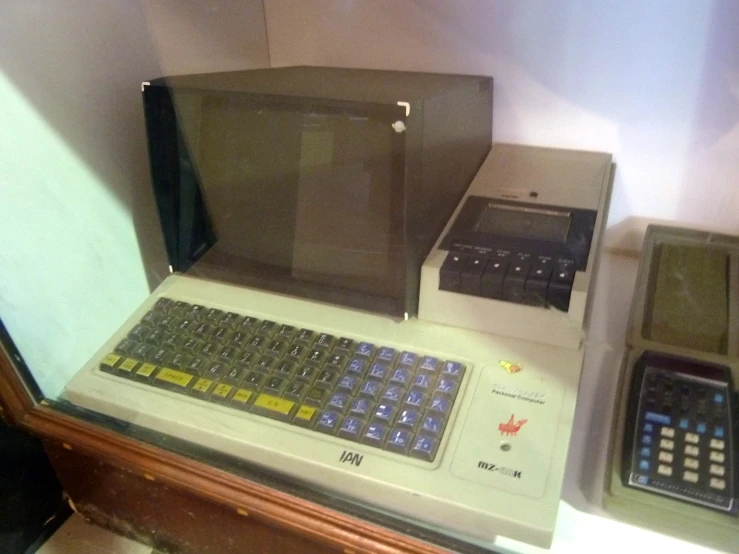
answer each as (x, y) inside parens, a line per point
(429, 363)
(648, 427)
(356, 367)
(658, 418)
(700, 428)
(440, 404)
(339, 401)
(408, 418)
(374, 434)
(414, 399)
(348, 383)
(446, 386)
(433, 425)
(642, 480)
(328, 422)
(386, 354)
(384, 413)
(399, 440)
(360, 407)
(424, 448)
(684, 423)
(401, 376)
(365, 349)
(370, 389)
(407, 358)
(646, 452)
(423, 382)
(718, 398)
(718, 431)
(351, 428)
(646, 439)
(392, 394)
(453, 370)
(378, 371)
(644, 465)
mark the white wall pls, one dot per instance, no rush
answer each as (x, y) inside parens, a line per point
(655, 82)
(81, 244)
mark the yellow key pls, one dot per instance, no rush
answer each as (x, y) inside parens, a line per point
(241, 398)
(128, 365)
(108, 363)
(221, 392)
(173, 377)
(305, 416)
(201, 387)
(271, 406)
(145, 371)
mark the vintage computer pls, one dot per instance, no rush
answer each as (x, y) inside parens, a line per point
(365, 294)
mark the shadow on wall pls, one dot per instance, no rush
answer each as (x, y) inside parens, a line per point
(80, 64)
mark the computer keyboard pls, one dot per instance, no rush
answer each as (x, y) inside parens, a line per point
(398, 401)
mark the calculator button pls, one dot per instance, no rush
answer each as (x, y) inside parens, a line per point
(370, 389)
(424, 447)
(646, 439)
(718, 484)
(351, 428)
(645, 451)
(365, 349)
(393, 395)
(718, 398)
(668, 432)
(716, 469)
(644, 465)
(665, 457)
(447, 387)
(109, 363)
(384, 413)
(316, 397)
(423, 382)
(327, 379)
(328, 422)
(274, 407)
(202, 388)
(357, 367)
(305, 337)
(658, 418)
(691, 450)
(414, 399)
(348, 384)
(717, 457)
(717, 444)
(243, 398)
(700, 428)
(344, 346)
(442, 405)
(664, 470)
(339, 402)
(666, 444)
(401, 376)
(295, 391)
(374, 434)
(690, 476)
(691, 438)
(683, 424)
(691, 463)
(453, 370)
(433, 425)
(324, 342)
(429, 364)
(222, 393)
(361, 407)
(408, 358)
(378, 371)
(306, 416)
(398, 441)
(385, 354)
(408, 418)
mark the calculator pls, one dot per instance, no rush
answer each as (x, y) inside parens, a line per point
(683, 434)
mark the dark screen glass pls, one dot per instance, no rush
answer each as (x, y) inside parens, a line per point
(296, 194)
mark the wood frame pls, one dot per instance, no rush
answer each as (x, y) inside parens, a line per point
(253, 500)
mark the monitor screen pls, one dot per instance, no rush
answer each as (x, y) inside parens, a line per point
(295, 194)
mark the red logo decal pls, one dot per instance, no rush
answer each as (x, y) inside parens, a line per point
(511, 427)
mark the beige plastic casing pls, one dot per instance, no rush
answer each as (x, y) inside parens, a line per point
(566, 178)
(672, 517)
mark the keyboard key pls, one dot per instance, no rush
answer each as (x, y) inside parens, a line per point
(700, 428)
(139, 333)
(168, 323)
(370, 389)
(718, 431)
(265, 364)
(344, 346)
(407, 358)
(273, 407)
(195, 366)
(356, 367)
(691, 463)
(668, 432)
(398, 441)
(424, 448)
(173, 380)
(433, 425)
(316, 397)
(208, 350)
(215, 370)
(401, 376)
(691, 450)
(453, 371)
(348, 384)
(429, 364)
(365, 349)
(683, 424)
(256, 344)
(173, 342)
(296, 353)
(441, 405)
(151, 319)
(666, 457)
(203, 331)
(221, 335)
(276, 348)
(415, 399)
(385, 354)
(316, 357)
(665, 470)
(666, 444)
(646, 439)
(718, 484)
(658, 418)
(384, 413)
(213, 316)
(254, 381)
(644, 465)
(295, 391)
(692, 438)
(324, 342)
(286, 332)
(423, 383)
(145, 372)
(227, 354)
(328, 422)
(690, 476)
(718, 457)
(179, 308)
(305, 337)
(230, 320)
(163, 305)
(274, 386)
(306, 416)
(159, 356)
(285, 369)
(222, 393)
(196, 312)
(109, 364)
(339, 402)
(266, 328)
(306, 374)
(248, 325)
(238, 339)
(378, 371)
(408, 419)
(374, 434)
(327, 379)
(716, 469)
(125, 347)
(128, 366)
(717, 444)
(447, 387)
(351, 428)
(243, 398)
(361, 407)
(393, 395)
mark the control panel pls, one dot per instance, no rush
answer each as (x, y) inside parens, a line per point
(682, 443)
